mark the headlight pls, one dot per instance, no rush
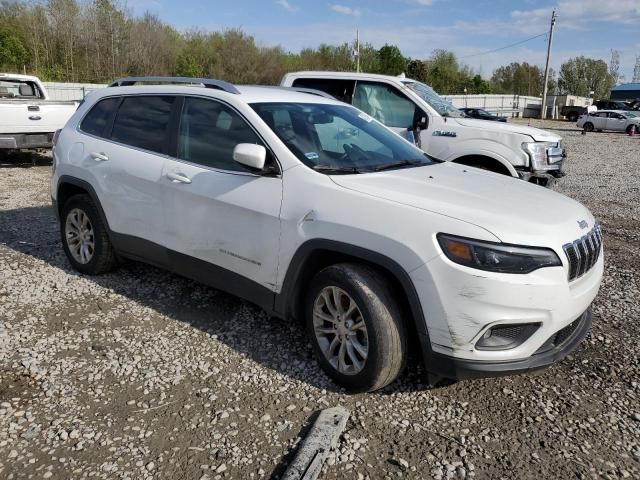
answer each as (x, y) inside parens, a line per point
(496, 257)
(542, 153)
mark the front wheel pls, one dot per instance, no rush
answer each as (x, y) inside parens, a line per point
(588, 127)
(355, 327)
(632, 130)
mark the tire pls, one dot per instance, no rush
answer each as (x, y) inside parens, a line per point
(588, 127)
(572, 117)
(96, 259)
(382, 332)
(632, 129)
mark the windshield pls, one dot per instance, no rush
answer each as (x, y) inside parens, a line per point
(435, 101)
(338, 138)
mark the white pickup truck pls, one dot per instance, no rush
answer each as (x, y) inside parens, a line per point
(416, 111)
(28, 119)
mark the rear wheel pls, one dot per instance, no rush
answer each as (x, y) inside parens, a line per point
(572, 117)
(84, 237)
(355, 327)
(588, 127)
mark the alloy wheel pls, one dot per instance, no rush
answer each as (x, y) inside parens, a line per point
(340, 330)
(80, 236)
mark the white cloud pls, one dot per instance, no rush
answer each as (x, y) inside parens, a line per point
(345, 10)
(286, 5)
(424, 3)
(579, 14)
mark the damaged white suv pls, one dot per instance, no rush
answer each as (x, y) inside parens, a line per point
(313, 210)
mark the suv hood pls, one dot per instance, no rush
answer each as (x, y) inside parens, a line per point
(512, 210)
(537, 134)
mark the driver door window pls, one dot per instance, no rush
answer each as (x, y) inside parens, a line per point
(385, 104)
(208, 133)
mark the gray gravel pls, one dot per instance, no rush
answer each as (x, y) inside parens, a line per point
(143, 374)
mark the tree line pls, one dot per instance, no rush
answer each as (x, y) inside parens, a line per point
(96, 41)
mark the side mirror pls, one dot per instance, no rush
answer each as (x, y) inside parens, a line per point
(250, 155)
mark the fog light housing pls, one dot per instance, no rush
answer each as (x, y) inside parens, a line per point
(505, 337)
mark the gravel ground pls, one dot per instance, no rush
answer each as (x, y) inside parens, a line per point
(143, 374)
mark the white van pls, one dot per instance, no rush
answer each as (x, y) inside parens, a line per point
(416, 111)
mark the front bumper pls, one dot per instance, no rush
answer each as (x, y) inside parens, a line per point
(551, 352)
(461, 304)
(548, 172)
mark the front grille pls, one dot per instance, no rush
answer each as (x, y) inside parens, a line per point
(583, 253)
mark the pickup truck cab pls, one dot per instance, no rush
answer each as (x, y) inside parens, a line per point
(416, 111)
(28, 118)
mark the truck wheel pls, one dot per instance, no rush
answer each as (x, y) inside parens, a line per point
(84, 237)
(572, 117)
(355, 327)
(588, 127)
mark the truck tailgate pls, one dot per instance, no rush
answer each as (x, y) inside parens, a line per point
(34, 117)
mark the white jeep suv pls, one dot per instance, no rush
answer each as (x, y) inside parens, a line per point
(313, 210)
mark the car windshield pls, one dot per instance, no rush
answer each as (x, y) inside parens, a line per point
(338, 139)
(435, 101)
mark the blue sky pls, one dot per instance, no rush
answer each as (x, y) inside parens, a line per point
(467, 27)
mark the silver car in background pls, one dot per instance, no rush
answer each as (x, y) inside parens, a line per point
(616, 120)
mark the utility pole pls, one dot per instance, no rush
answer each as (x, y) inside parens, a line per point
(543, 112)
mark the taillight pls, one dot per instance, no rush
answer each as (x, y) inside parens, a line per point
(54, 140)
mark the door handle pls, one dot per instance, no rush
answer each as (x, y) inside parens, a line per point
(99, 156)
(35, 117)
(178, 177)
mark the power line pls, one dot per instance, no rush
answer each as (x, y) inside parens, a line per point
(505, 47)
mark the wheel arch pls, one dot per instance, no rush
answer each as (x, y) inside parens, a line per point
(69, 186)
(316, 254)
(493, 164)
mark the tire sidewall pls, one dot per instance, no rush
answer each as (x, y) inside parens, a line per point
(370, 310)
(588, 127)
(84, 203)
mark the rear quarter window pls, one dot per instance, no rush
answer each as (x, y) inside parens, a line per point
(99, 117)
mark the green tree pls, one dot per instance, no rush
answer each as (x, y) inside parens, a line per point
(417, 69)
(392, 62)
(13, 54)
(443, 72)
(582, 75)
(518, 79)
(187, 66)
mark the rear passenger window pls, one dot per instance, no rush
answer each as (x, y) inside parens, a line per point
(208, 133)
(142, 122)
(96, 121)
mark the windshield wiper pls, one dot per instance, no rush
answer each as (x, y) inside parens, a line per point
(337, 170)
(399, 163)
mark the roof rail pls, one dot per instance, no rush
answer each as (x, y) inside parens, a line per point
(206, 82)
